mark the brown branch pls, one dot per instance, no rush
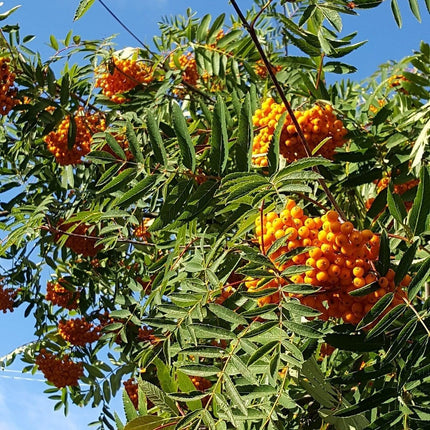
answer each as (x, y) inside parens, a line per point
(286, 103)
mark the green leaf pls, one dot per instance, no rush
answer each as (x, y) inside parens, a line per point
(158, 397)
(186, 147)
(234, 394)
(222, 403)
(386, 321)
(387, 394)
(138, 190)
(399, 342)
(383, 263)
(54, 42)
(395, 205)
(243, 146)
(299, 165)
(205, 331)
(421, 205)
(273, 153)
(155, 139)
(352, 341)
(419, 279)
(83, 7)
(202, 29)
(226, 314)
(237, 363)
(133, 143)
(262, 351)
(187, 420)
(149, 422)
(299, 310)
(405, 262)
(115, 146)
(377, 309)
(199, 200)
(367, 289)
(303, 329)
(219, 139)
(413, 4)
(203, 370)
(396, 12)
(187, 396)
(123, 178)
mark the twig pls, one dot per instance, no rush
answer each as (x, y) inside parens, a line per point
(124, 26)
(409, 304)
(286, 103)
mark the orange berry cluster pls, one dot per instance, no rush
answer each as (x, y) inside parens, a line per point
(316, 123)
(124, 76)
(7, 297)
(261, 70)
(188, 65)
(141, 231)
(398, 188)
(8, 91)
(62, 296)
(78, 331)
(86, 125)
(77, 239)
(62, 372)
(396, 80)
(340, 261)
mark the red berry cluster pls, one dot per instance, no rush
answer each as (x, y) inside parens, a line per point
(78, 331)
(131, 387)
(7, 297)
(87, 125)
(61, 296)
(60, 371)
(317, 124)
(340, 261)
(8, 93)
(122, 75)
(78, 239)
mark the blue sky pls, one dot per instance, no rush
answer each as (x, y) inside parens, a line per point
(22, 402)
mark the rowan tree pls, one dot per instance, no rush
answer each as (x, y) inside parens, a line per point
(232, 241)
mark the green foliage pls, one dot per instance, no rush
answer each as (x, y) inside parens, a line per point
(151, 235)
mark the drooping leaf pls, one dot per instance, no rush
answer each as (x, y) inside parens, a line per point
(376, 311)
(83, 7)
(133, 143)
(155, 139)
(421, 206)
(385, 395)
(186, 147)
(419, 279)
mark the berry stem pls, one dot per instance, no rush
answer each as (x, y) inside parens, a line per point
(251, 30)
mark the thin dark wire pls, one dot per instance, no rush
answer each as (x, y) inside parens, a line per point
(123, 25)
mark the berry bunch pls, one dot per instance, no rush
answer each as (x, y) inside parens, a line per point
(188, 66)
(7, 297)
(399, 189)
(61, 372)
(131, 388)
(340, 261)
(317, 124)
(61, 296)
(141, 231)
(122, 75)
(8, 91)
(261, 70)
(57, 140)
(78, 331)
(395, 81)
(78, 239)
